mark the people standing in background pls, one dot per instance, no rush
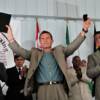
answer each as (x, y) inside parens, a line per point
(16, 80)
(48, 66)
(75, 79)
(84, 81)
(84, 63)
(3, 80)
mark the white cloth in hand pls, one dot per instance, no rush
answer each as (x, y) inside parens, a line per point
(4, 87)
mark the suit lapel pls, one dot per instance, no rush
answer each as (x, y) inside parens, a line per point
(97, 56)
(34, 63)
(63, 66)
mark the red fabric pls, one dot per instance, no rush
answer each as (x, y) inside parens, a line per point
(37, 34)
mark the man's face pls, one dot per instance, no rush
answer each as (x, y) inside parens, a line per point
(45, 41)
(97, 40)
(19, 61)
(77, 63)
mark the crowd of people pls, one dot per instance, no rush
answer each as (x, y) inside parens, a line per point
(48, 74)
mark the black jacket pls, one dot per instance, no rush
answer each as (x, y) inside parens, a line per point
(3, 78)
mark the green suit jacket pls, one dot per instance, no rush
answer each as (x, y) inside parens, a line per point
(34, 56)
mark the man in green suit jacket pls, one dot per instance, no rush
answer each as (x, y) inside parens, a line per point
(93, 67)
(48, 66)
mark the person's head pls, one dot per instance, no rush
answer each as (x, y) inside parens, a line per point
(76, 61)
(46, 40)
(19, 60)
(84, 63)
(97, 39)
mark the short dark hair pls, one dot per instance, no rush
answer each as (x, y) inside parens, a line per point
(74, 58)
(97, 32)
(17, 56)
(47, 32)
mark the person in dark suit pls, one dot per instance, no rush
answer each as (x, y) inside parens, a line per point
(3, 78)
(16, 80)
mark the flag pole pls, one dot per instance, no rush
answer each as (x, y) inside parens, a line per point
(37, 33)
